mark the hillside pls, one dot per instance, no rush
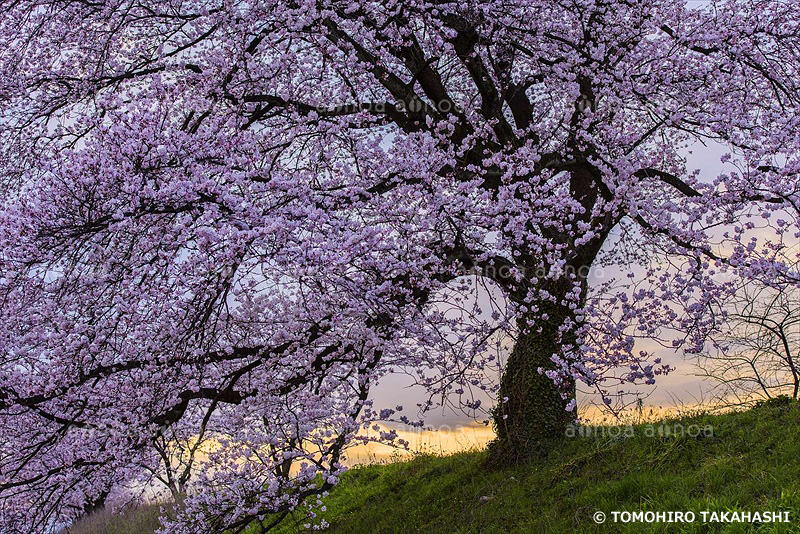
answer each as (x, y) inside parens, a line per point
(745, 461)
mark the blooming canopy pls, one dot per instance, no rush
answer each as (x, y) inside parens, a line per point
(234, 217)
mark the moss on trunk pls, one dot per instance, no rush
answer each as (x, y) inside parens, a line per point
(531, 416)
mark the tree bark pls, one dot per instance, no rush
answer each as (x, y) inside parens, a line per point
(531, 417)
(95, 505)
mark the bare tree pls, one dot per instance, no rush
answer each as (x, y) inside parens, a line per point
(755, 356)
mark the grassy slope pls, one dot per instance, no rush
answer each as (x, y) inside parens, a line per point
(751, 463)
(143, 520)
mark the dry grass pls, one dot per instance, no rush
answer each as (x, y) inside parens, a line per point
(138, 520)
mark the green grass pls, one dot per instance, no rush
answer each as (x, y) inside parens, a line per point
(750, 463)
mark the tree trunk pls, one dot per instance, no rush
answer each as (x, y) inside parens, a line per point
(531, 416)
(95, 505)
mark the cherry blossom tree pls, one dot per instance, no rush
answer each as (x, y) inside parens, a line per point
(231, 219)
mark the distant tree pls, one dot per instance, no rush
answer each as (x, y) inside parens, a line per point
(244, 214)
(177, 453)
(756, 355)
